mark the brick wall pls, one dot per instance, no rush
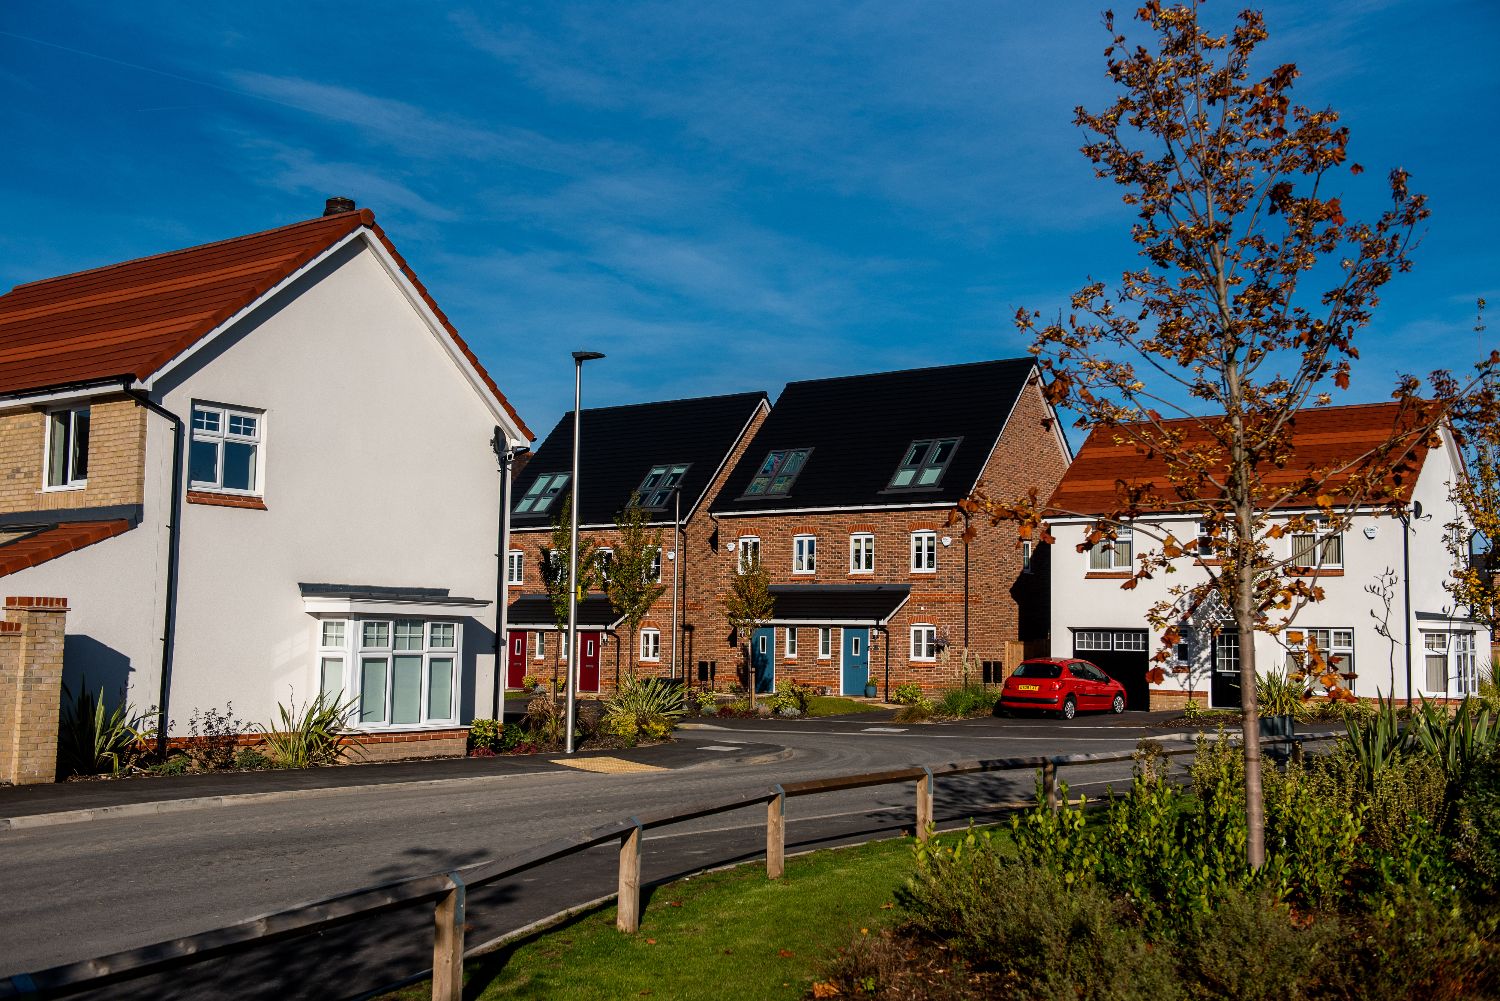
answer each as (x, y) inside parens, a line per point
(31, 662)
(621, 652)
(1005, 605)
(116, 473)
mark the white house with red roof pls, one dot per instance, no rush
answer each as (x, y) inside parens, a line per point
(259, 469)
(1430, 641)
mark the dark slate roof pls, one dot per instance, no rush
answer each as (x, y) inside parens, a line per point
(534, 611)
(860, 427)
(837, 604)
(380, 592)
(621, 444)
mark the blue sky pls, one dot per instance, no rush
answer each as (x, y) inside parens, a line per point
(722, 197)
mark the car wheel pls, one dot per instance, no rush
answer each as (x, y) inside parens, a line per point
(1118, 705)
(1070, 708)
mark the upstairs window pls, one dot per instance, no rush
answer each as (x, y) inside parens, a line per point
(653, 573)
(749, 555)
(778, 472)
(805, 554)
(543, 491)
(1028, 552)
(1116, 555)
(604, 559)
(68, 448)
(862, 553)
(225, 451)
(515, 567)
(924, 552)
(657, 488)
(1318, 549)
(924, 464)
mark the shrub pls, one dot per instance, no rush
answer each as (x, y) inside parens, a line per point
(916, 712)
(704, 701)
(1455, 741)
(638, 703)
(544, 721)
(214, 737)
(95, 738)
(308, 736)
(967, 701)
(1477, 826)
(1249, 948)
(1278, 694)
(176, 764)
(790, 699)
(908, 694)
(249, 759)
(484, 734)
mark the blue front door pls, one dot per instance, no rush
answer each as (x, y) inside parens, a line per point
(763, 659)
(856, 660)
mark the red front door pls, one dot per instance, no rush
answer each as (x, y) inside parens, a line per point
(515, 663)
(588, 664)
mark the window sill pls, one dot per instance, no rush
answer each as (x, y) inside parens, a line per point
(212, 499)
(1108, 575)
(1316, 572)
(1208, 563)
(66, 487)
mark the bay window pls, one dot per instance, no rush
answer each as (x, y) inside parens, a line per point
(406, 670)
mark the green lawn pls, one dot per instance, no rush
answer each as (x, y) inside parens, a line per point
(731, 934)
(834, 705)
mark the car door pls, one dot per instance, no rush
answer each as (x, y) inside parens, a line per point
(1085, 689)
(1105, 686)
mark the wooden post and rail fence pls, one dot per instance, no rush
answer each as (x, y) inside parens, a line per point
(447, 892)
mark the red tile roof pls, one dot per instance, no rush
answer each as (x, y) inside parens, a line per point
(1321, 438)
(130, 319)
(58, 540)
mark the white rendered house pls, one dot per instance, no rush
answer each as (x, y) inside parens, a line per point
(1430, 640)
(336, 490)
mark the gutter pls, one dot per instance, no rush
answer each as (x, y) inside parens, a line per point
(174, 539)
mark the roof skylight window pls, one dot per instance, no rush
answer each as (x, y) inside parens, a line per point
(778, 472)
(924, 464)
(543, 491)
(656, 489)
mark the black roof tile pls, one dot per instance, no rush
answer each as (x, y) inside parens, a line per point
(621, 444)
(534, 611)
(860, 427)
(837, 604)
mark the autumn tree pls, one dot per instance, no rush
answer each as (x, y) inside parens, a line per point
(1473, 533)
(555, 555)
(1252, 286)
(634, 581)
(748, 605)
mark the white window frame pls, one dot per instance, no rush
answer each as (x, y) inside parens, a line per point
(653, 573)
(825, 643)
(650, 645)
(223, 437)
(515, 567)
(1465, 663)
(791, 642)
(357, 655)
(924, 551)
(333, 645)
(69, 480)
(1204, 541)
(804, 554)
(1028, 554)
(1333, 641)
(923, 643)
(743, 549)
(604, 561)
(541, 645)
(1322, 540)
(862, 553)
(1118, 554)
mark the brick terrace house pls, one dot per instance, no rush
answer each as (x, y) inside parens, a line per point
(843, 496)
(257, 469)
(1093, 618)
(674, 456)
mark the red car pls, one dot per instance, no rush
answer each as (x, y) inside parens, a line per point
(1063, 686)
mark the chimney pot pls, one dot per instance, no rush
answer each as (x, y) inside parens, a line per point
(338, 205)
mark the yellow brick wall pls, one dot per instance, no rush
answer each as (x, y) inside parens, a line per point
(117, 446)
(31, 660)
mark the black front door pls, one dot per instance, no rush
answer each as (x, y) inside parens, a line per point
(1123, 654)
(1224, 686)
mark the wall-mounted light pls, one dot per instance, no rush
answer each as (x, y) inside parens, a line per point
(672, 555)
(947, 541)
(1369, 531)
(729, 547)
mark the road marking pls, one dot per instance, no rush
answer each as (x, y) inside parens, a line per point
(700, 726)
(608, 766)
(884, 729)
(717, 747)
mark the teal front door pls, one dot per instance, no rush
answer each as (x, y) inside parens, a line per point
(856, 660)
(763, 659)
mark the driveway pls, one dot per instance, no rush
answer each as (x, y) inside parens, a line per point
(84, 889)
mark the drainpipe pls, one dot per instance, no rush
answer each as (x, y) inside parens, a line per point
(1406, 591)
(507, 456)
(885, 635)
(174, 538)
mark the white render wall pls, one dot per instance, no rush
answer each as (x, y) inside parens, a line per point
(1081, 603)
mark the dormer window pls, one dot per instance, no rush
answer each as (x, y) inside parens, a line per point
(543, 491)
(656, 489)
(778, 472)
(924, 464)
(68, 448)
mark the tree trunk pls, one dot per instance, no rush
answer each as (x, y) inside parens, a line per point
(1244, 618)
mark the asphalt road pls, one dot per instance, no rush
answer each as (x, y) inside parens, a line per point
(71, 892)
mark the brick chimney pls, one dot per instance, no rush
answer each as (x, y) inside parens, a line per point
(338, 205)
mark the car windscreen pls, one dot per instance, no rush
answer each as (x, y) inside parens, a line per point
(1033, 669)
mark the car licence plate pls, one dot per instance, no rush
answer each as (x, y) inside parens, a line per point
(1030, 688)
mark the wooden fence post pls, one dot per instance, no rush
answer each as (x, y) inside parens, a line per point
(924, 804)
(1049, 782)
(448, 943)
(776, 835)
(628, 902)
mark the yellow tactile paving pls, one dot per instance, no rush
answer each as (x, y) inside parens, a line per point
(609, 766)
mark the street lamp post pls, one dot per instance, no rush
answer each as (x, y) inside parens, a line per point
(579, 357)
(507, 454)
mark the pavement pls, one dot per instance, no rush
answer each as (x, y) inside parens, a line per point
(78, 890)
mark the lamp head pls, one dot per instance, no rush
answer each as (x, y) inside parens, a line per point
(582, 356)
